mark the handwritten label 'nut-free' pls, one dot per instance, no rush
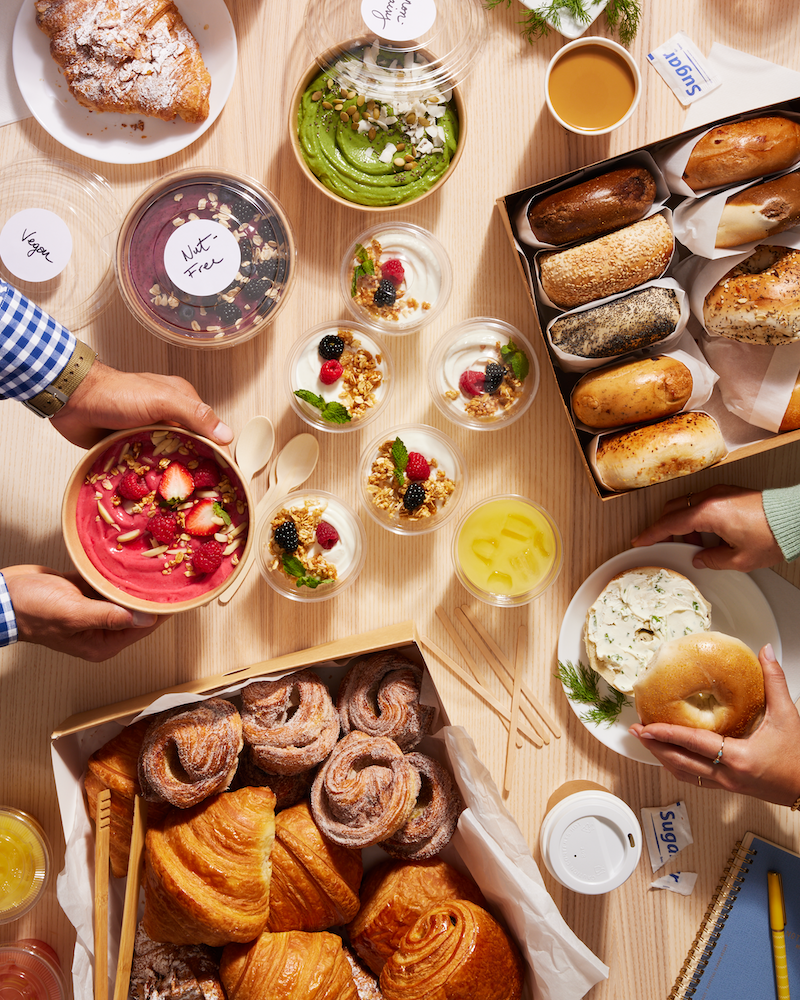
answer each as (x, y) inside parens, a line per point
(35, 245)
(398, 20)
(202, 257)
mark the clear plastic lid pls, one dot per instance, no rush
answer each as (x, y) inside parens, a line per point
(58, 224)
(432, 45)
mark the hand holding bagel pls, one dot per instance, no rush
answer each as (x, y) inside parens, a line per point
(765, 765)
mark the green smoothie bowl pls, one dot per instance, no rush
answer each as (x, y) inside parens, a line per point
(369, 140)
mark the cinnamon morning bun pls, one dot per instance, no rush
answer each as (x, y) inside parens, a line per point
(435, 815)
(289, 724)
(365, 791)
(289, 789)
(379, 695)
(173, 972)
(190, 753)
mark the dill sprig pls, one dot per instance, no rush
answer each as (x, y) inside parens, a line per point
(621, 15)
(582, 684)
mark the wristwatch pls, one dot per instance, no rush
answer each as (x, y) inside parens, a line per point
(50, 400)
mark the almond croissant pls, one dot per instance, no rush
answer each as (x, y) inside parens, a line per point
(207, 870)
(130, 56)
(314, 881)
(292, 965)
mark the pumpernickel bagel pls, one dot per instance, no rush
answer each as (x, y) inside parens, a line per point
(707, 680)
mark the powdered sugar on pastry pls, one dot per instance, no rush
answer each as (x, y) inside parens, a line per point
(129, 56)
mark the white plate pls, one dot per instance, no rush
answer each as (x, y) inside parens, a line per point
(738, 608)
(107, 136)
(567, 25)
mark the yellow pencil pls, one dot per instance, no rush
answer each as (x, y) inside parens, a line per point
(777, 922)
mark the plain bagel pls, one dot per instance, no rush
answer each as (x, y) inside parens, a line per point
(740, 151)
(707, 680)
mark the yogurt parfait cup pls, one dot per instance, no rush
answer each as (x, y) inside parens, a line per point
(412, 479)
(310, 545)
(395, 278)
(157, 519)
(339, 377)
(507, 550)
(483, 374)
(206, 258)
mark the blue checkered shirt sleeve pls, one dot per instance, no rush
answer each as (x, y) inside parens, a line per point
(8, 623)
(34, 348)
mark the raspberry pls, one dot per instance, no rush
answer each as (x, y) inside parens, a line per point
(286, 536)
(494, 375)
(327, 535)
(415, 496)
(417, 467)
(133, 487)
(331, 347)
(393, 271)
(206, 475)
(208, 557)
(163, 526)
(472, 383)
(386, 293)
(330, 372)
(228, 312)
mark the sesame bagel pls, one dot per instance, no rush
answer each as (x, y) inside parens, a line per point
(758, 301)
(707, 680)
(608, 265)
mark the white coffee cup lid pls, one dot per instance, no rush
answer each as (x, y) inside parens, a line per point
(591, 842)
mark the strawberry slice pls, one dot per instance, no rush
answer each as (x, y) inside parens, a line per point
(177, 483)
(202, 519)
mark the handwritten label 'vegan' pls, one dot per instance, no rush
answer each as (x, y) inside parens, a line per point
(35, 245)
(202, 257)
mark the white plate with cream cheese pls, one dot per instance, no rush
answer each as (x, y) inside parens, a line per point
(738, 607)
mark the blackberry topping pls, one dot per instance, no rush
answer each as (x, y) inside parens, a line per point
(286, 536)
(241, 209)
(494, 375)
(266, 231)
(256, 289)
(415, 496)
(267, 268)
(246, 253)
(228, 312)
(331, 347)
(386, 293)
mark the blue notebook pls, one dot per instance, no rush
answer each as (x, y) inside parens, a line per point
(731, 958)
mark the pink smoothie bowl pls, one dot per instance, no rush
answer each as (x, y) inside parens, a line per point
(179, 544)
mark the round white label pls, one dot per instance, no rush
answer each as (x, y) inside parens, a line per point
(35, 244)
(202, 257)
(399, 20)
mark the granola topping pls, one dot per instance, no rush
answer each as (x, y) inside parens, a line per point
(387, 492)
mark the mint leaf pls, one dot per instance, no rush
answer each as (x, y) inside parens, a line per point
(333, 412)
(399, 455)
(516, 359)
(295, 568)
(363, 268)
(219, 511)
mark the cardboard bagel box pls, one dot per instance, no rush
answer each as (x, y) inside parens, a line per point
(487, 843)
(686, 213)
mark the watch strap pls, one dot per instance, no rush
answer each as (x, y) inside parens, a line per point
(50, 400)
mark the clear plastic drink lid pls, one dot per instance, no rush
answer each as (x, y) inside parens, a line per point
(396, 47)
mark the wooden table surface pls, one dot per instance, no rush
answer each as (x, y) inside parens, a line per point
(642, 935)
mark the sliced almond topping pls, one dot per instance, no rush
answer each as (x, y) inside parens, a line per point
(128, 536)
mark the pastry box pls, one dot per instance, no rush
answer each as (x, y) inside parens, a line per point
(487, 844)
(748, 384)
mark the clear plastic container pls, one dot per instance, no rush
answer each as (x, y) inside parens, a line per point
(457, 374)
(383, 493)
(507, 550)
(296, 574)
(30, 970)
(206, 258)
(25, 862)
(360, 391)
(421, 284)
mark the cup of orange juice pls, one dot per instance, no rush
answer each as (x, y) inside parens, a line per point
(592, 86)
(507, 550)
(24, 863)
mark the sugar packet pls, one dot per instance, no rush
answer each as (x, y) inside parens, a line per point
(666, 832)
(682, 66)
(680, 882)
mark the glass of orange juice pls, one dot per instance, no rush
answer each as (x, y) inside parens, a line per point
(507, 550)
(24, 863)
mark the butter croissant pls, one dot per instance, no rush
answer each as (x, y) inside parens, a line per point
(455, 949)
(314, 881)
(190, 753)
(292, 965)
(129, 56)
(207, 870)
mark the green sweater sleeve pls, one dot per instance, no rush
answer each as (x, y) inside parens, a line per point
(782, 508)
